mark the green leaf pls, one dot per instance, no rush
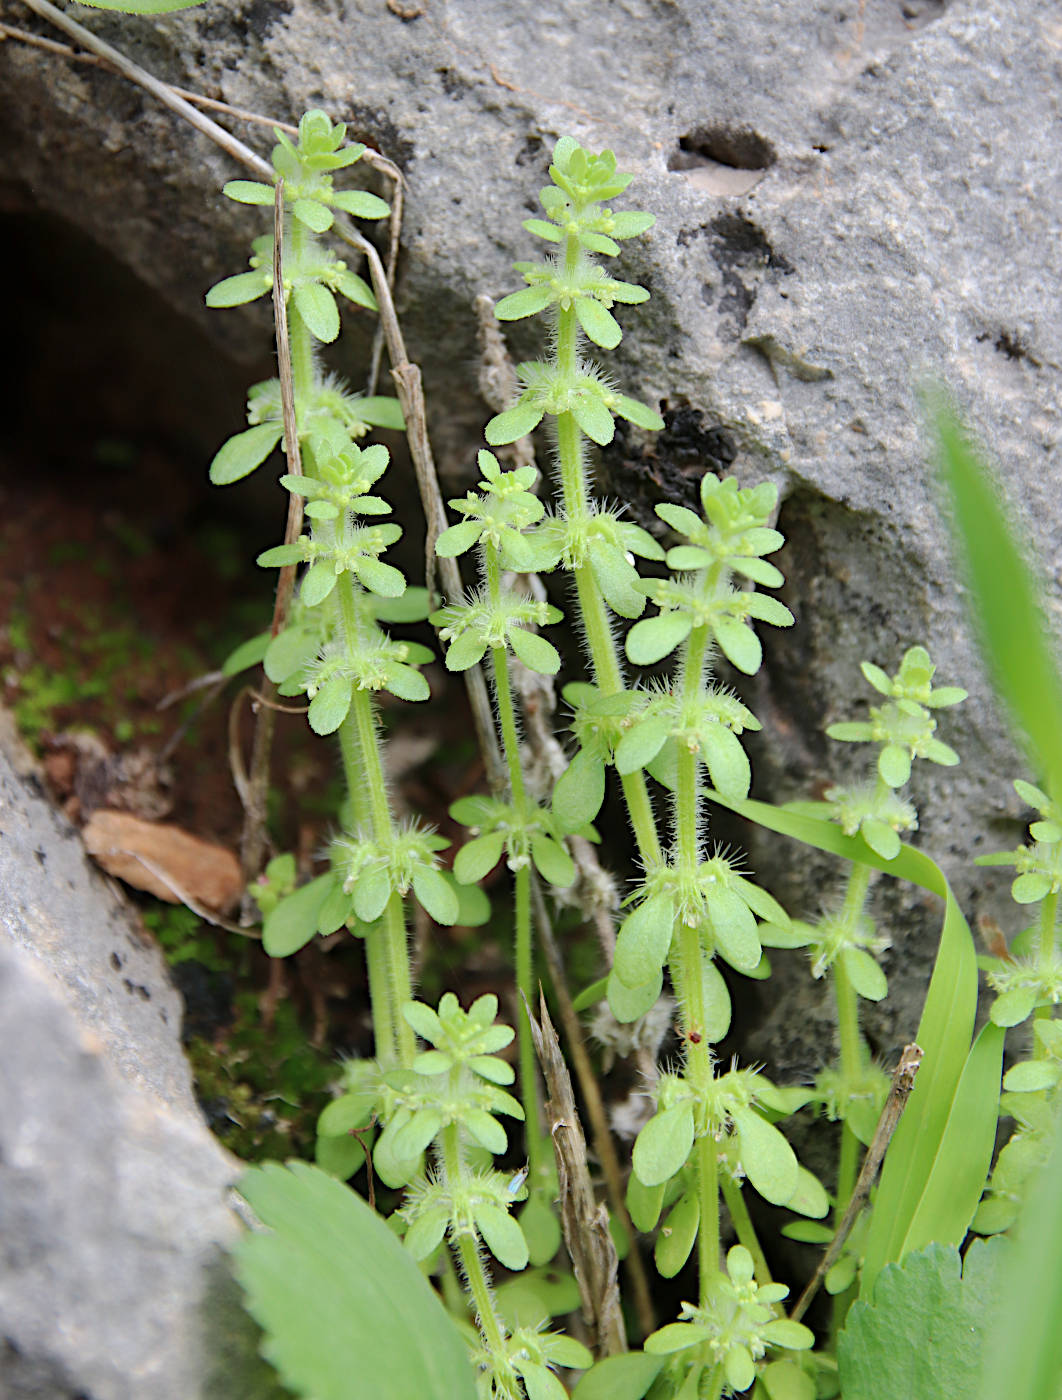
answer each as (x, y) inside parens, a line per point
(371, 893)
(340, 1157)
(318, 582)
(313, 214)
(328, 1317)
(360, 203)
(739, 644)
(293, 922)
(643, 941)
(579, 791)
(502, 1235)
(249, 192)
(1024, 1345)
(288, 651)
(864, 974)
(330, 706)
(465, 650)
(1013, 1007)
(426, 1233)
(644, 1203)
(379, 577)
(513, 424)
(239, 456)
(458, 538)
(598, 322)
(436, 896)
(894, 765)
(238, 291)
(922, 1332)
(650, 640)
(784, 1380)
(629, 1003)
(1004, 600)
(552, 862)
(664, 1144)
(527, 302)
(406, 682)
(626, 1377)
(247, 654)
(594, 419)
(534, 651)
(676, 1238)
(641, 743)
(541, 1229)
(956, 1180)
(478, 857)
(317, 307)
(768, 1160)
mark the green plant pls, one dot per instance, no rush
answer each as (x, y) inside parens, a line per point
(713, 1128)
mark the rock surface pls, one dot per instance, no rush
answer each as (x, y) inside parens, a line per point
(850, 199)
(113, 1193)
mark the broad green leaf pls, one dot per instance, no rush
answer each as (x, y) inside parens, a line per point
(293, 922)
(379, 577)
(317, 307)
(288, 651)
(922, 1331)
(739, 644)
(478, 857)
(626, 1377)
(676, 1239)
(239, 456)
(644, 1203)
(249, 192)
(864, 974)
(784, 1380)
(527, 302)
(766, 1157)
(598, 323)
(641, 743)
(458, 538)
(1013, 1007)
(327, 1316)
(330, 706)
(628, 1003)
(734, 929)
(534, 651)
(1004, 599)
(1024, 1345)
(643, 941)
(552, 862)
(436, 896)
(318, 582)
(726, 760)
(650, 640)
(340, 1157)
(594, 419)
(426, 1233)
(579, 792)
(951, 1194)
(541, 1229)
(313, 214)
(247, 654)
(513, 424)
(664, 1144)
(360, 203)
(238, 290)
(502, 1235)
(371, 893)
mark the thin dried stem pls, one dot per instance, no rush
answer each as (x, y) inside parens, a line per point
(902, 1084)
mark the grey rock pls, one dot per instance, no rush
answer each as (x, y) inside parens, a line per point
(850, 200)
(114, 1214)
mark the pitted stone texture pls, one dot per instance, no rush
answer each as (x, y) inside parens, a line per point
(850, 200)
(113, 1194)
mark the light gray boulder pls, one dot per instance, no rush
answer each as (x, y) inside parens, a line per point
(114, 1213)
(851, 200)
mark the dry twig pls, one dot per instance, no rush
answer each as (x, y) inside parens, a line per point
(585, 1222)
(902, 1084)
